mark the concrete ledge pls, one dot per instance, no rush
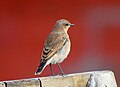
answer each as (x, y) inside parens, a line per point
(86, 79)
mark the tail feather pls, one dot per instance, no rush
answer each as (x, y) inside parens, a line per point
(40, 68)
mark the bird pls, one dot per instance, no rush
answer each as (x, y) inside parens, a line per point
(56, 47)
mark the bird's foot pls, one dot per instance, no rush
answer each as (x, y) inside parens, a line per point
(63, 74)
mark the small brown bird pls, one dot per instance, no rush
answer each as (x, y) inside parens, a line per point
(56, 47)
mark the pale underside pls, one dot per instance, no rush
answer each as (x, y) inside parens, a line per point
(62, 54)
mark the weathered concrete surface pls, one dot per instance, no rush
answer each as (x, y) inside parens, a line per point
(86, 79)
(2, 84)
(24, 83)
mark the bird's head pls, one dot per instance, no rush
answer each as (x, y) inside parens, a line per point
(63, 24)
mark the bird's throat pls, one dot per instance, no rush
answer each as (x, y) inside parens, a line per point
(65, 29)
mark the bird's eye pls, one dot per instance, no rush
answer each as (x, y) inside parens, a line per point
(66, 24)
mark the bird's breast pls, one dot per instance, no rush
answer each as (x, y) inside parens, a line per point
(62, 54)
(65, 50)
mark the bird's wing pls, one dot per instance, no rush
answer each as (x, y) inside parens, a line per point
(53, 44)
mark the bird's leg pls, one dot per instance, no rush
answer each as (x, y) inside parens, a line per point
(60, 68)
(51, 70)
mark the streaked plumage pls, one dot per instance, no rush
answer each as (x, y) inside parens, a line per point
(56, 47)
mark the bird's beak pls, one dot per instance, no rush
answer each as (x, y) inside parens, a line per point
(72, 24)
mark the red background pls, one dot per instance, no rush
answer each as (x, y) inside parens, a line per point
(25, 24)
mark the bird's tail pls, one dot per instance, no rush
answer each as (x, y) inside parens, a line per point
(40, 68)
